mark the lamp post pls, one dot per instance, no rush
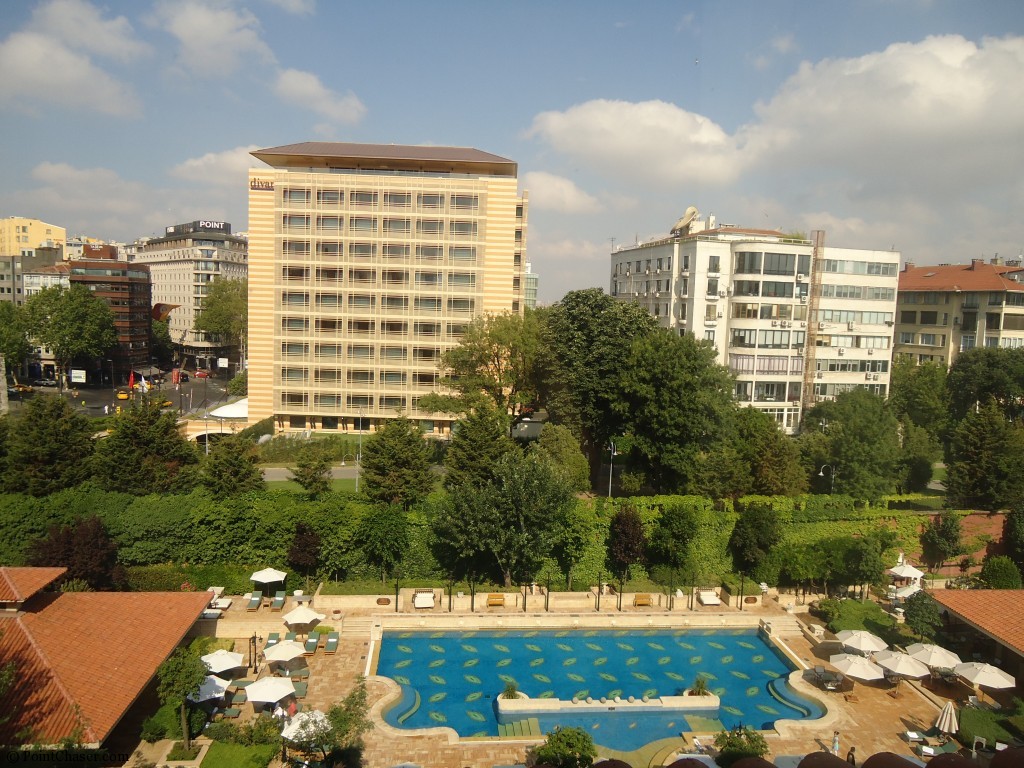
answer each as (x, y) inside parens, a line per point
(821, 473)
(611, 468)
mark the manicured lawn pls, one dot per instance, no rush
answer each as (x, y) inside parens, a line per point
(857, 615)
(222, 755)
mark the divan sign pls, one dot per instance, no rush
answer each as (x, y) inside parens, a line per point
(262, 185)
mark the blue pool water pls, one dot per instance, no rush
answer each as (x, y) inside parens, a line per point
(452, 679)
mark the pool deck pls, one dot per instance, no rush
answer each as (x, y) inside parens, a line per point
(867, 715)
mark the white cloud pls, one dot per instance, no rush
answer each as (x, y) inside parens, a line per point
(298, 7)
(566, 261)
(80, 25)
(783, 44)
(39, 70)
(214, 38)
(651, 140)
(304, 89)
(556, 193)
(229, 168)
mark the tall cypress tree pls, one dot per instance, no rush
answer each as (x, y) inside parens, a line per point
(478, 444)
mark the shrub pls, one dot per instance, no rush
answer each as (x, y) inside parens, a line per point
(737, 744)
(827, 610)
(178, 752)
(700, 686)
(153, 729)
(511, 691)
(223, 731)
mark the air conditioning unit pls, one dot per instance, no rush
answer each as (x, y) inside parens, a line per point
(821, 374)
(821, 326)
(803, 299)
(636, 293)
(849, 326)
(867, 377)
(803, 324)
(871, 351)
(722, 294)
(875, 377)
(842, 351)
(720, 315)
(799, 278)
(647, 271)
(775, 323)
(890, 323)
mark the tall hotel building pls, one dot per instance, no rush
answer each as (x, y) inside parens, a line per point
(366, 262)
(795, 321)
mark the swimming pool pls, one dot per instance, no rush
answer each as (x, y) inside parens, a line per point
(453, 678)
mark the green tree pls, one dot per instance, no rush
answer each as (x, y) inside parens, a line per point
(73, 322)
(921, 614)
(457, 530)
(239, 385)
(864, 563)
(918, 452)
(772, 458)
(918, 393)
(495, 359)
(626, 544)
(738, 743)
(14, 343)
(225, 313)
(144, 453)
(558, 445)
(677, 404)
(1013, 535)
(230, 469)
(585, 339)
(566, 748)
(304, 553)
(986, 374)
(479, 441)
(48, 447)
(574, 533)
(862, 443)
(983, 470)
(942, 538)
(313, 470)
(999, 572)
(757, 531)
(178, 678)
(395, 465)
(160, 345)
(340, 731)
(85, 549)
(673, 536)
(383, 537)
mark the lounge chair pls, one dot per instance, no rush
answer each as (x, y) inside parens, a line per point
(255, 601)
(239, 697)
(496, 600)
(302, 673)
(423, 598)
(232, 712)
(277, 603)
(290, 636)
(332, 642)
(708, 597)
(301, 689)
(643, 601)
(819, 672)
(311, 643)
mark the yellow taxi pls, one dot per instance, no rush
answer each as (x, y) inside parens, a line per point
(122, 394)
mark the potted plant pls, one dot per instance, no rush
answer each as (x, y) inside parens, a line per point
(700, 686)
(511, 691)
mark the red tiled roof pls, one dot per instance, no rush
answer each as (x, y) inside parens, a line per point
(84, 657)
(962, 277)
(996, 612)
(19, 584)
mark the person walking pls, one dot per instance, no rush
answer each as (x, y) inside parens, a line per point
(835, 743)
(851, 757)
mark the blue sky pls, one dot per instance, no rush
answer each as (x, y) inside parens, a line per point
(887, 123)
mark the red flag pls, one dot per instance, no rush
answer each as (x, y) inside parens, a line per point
(131, 380)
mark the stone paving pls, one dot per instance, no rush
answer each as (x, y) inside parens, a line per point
(867, 715)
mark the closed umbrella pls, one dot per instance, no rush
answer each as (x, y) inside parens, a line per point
(947, 720)
(933, 655)
(285, 651)
(901, 664)
(984, 675)
(222, 660)
(269, 690)
(861, 640)
(856, 666)
(211, 688)
(305, 723)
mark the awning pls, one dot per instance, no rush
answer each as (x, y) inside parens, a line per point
(236, 410)
(149, 370)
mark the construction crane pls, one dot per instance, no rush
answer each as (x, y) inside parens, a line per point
(811, 339)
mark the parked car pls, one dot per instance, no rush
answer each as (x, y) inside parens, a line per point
(23, 388)
(182, 377)
(122, 394)
(44, 383)
(202, 374)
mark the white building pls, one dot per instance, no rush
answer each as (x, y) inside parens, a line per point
(795, 321)
(183, 264)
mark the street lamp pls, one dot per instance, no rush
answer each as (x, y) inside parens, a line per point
(611, 468)
(821, 473)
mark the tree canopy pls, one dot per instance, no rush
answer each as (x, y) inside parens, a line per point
(312, 470)
(383, 537)
(73, 322)
(479, 441)
(178, 678)
(225, 312)
(230, 469)
(47, 447)
(395, 465)
(14, 342)
(983, 467)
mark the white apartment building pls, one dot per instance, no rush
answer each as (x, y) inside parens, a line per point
(367, 263)
(795, 321)
(182, 265)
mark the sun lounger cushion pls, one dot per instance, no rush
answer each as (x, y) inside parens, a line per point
(272, 639)
(301, 689)
(332, 642)
(255, 601)
(232, 712)
(289, 636)
(496, 600)
(423, 599)
(312, 642)
(300, 674)
(708, 597)
(278, 602)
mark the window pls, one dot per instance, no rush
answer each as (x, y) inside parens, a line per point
(710, 311)
(362, 250)
(428, 304)
(748, 263)
(773, 339)
(295, 221)
(777, 290)
(906, 337)
(465, 202)
(747, 288)
(327, 401)
(395, 378)
(462, 253)
(712, 286)
(463, 279)
(741, 363)
(394, 303)
(714, 263)
(431, 201)
(361, 301)
(360, 377)
(330, 250)
(743, 337)
(394, 327)
(329, 274)
(461, 305)
(424, 379)
(356, 351)
(362, 198)
(359, 401)
(363, 224)
(298, 197)
(329, 197)
(427, 329)
(428, 279)
(392, 402)
(397, 226)
(1013, 322)
(362, 275)
(779, 264)
(327, 376)
(295, 273)
(928, 339)
(295, 399)
(426, 354)
(394, 277)
(430, 227)
(929, 318)
(744, 311)
(456, 330)
(397, 199)
(294, 349)
(429, 252)
(328, 300)
(295, 248)
(330, 351)
(360, 327)
(393, 353)
(294, 324)
(908, 317)
(463, 229)
(328, 223)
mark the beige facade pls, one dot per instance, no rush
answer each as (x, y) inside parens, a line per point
(365, 263)
(20, 236)
(795, 327)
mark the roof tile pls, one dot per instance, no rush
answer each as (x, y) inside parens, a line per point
(997, 612)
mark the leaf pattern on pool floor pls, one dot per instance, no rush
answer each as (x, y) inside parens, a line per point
(437, 648)
(479, 717)
(404, 648)
(687, 646)
(767, 710)
(674, 676)
(469, 648)
(546, 695)
(402, 663)
(506, 678)
(656, 646)
(709, 675)
(503, 662)
(770, 673)
(716, 646)
(594, 646)
(581, 695)
(531, 633)
(437, 717)
(541, 678)
(401, 679)
(568, 662)
(474, 696)
(696, 659)
(745, 644)
(406, 634)
(651, 693)
(625, 646)
(740, 675)
(562, 633)
(501, 648)
(641, 676)
(564, 647)
(576, 678)
(471, 679)
(719, 692)
(436, 697)
(436, 663)
(600, 661)
(438, 680)
(609, 678)
(664, 660)
(536, 662)
(733, 711)
(435, 635)
(470, 662)
(757, 659)
(726, 660)
(534, 648)
(753, 690)
(632, 660)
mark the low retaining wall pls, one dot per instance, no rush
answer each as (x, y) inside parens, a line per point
(524, 705)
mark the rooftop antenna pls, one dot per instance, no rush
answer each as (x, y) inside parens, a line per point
(613, 243)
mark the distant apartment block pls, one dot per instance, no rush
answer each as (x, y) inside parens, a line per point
(20, 236)
(532, 282)
(183, 264)
(366, 262)
(795, 320)
(946, 309)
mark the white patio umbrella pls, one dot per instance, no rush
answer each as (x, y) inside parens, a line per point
(304, 721)
(268, 576)
(906, 571)
(303, 618)
(933, 655)
(269, 690)
(901, 664)
(856, 666)
(222, 660)
(984, 675)
(284, 651)
(904, 592)
(211, 688)
(947, 720)
(861, 640)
